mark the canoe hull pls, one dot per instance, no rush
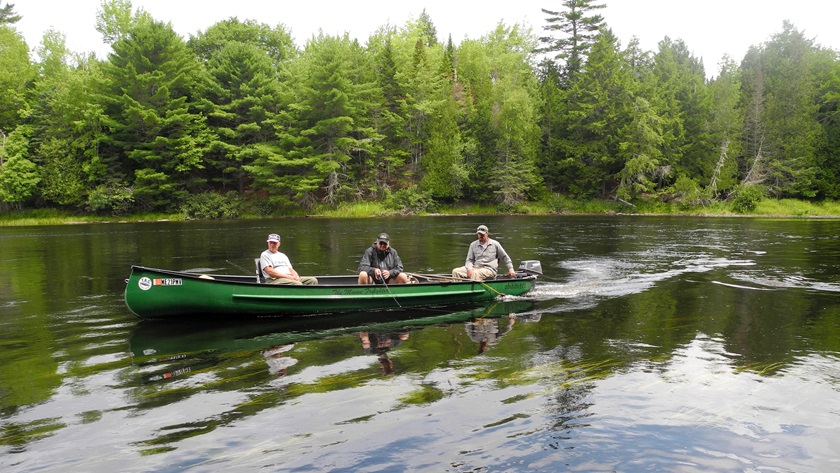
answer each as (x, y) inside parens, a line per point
(158, 293)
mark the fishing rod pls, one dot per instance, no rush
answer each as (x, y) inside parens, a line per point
(385, 283)
(240, 267)
(443, 277)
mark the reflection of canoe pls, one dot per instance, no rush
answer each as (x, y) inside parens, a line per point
(183, 339)
(158, 293)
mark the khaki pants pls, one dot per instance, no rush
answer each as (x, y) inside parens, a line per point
(305, 280)
(478, 274)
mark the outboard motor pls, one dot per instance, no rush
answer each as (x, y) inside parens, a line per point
(530, 267)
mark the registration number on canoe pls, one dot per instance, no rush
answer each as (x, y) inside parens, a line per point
(167, 281)
(146, 283)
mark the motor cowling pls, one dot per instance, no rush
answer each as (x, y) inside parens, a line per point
(532, 267)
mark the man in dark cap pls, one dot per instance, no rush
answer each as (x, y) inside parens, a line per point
(381, 263)
(483, 258)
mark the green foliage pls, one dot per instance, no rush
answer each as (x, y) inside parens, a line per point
(8, 15)
(747, 198)
(409, 120)
(16, 72)
(18, 180)
(114, 200)
(211, 205)
(115, 19)
(151, 115)
(411, 201)
(275, 42)
(601, 108)
(241, 97)
(577, 26)
(62, 175)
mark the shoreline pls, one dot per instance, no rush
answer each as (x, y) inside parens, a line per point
(75, 220)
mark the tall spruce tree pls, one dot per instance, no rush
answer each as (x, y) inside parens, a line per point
(325, 130)
(680, 95)
(781, 128)
(571, 33)
(390, 122)
(240, 100)
(601, 107)
(156, 132)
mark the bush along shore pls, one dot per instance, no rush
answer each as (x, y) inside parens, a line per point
(782, 208)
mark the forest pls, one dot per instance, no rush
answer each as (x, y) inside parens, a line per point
(237, 118)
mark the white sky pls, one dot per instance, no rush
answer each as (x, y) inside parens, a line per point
(710, 28)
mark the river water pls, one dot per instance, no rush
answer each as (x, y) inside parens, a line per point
(650, 344)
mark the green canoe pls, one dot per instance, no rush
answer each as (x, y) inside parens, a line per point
(158, 293)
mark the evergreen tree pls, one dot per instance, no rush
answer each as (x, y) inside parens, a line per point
(8, 15)
(577, 26)
(390, 122)
(793, 129)
(601, 109)
(240, 100)
(781, 128)
(325, 131)
(640, 150)
(428, 29)
(551, 113)
(155, 131)
(681, 97)
(726, 122)
(828, 157)
(444, 170)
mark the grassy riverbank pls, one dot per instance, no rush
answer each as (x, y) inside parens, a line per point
(785, 208)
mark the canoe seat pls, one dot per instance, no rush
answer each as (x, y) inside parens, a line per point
(260, 277)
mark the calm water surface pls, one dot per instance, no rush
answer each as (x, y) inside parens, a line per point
(651, 344)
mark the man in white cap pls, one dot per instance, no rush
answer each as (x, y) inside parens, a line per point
(276, 267)
(483, 258)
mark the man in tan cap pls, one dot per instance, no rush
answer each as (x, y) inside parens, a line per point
(483, 258)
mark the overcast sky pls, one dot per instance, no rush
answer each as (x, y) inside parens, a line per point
(710, 28)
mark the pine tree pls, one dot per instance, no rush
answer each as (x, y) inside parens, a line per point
(324, 132)
(7, 14)
(781, 128)
(240, 100)
(601, 109)
(680, 96)
(155, 131)
(577, 26)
